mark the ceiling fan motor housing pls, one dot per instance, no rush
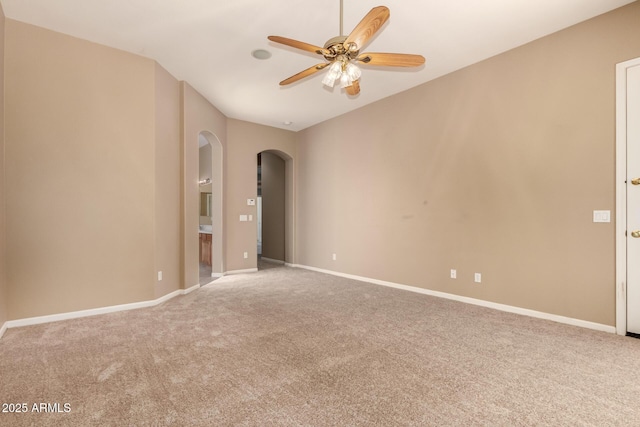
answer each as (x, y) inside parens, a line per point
(336, 47)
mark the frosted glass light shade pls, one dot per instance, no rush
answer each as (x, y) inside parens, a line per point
(334, 73)
(345, 71)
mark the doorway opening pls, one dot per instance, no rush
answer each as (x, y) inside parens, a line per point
(271, 208)
(210, 207)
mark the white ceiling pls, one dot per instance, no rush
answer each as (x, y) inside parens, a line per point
(208, 43)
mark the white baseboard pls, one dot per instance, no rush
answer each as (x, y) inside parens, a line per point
(94, 311)
(188, 290)
(246, 270)
(152, 303)
(474, 301)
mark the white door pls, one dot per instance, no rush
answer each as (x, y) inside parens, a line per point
(633, 199)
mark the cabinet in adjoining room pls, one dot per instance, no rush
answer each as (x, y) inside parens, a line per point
(205, 248)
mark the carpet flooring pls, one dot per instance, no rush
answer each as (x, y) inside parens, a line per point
(291, 347)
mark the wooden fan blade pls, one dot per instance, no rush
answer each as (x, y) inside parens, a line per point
(391, 59)
(354, 89)
(369, 25)
(299, 45)
(303, 74)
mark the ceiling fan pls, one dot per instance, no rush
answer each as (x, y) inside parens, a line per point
(342, 52)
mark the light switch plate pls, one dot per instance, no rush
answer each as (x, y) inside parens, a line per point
(601, 216)
(243, 218)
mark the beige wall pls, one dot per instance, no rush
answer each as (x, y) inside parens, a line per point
(273, 206)
(199, 116)
(3, 272)
(246, 140)
(79, 173)
(101, 177)
(168, 176)
(493, 169)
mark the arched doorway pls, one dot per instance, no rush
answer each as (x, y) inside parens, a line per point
(274, 207)
(210, 224)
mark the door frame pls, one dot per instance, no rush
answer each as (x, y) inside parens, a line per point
(621, 193)
(289, 212)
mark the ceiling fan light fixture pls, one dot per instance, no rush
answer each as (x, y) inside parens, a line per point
(343, 70)
(335, 70)
(352, 71)
(345, 80)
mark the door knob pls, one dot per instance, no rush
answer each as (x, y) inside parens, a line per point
(635, 233)
(635, 181)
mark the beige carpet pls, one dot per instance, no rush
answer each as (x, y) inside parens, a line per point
(289, 347)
